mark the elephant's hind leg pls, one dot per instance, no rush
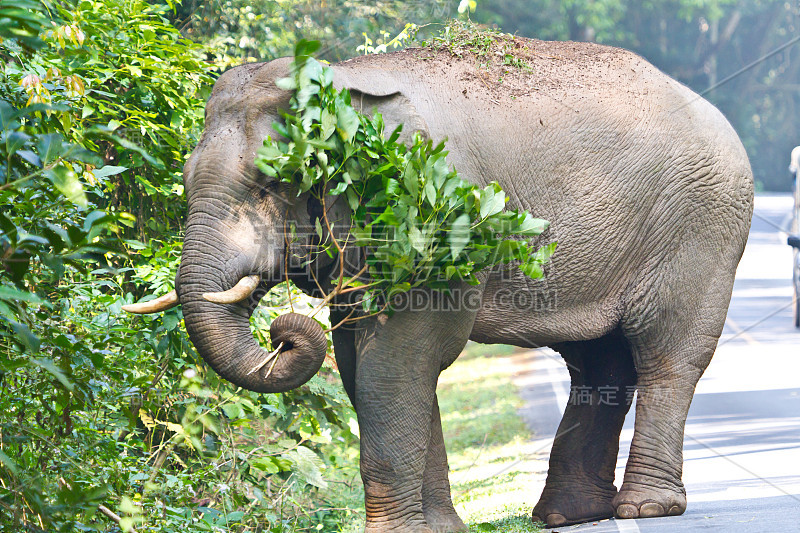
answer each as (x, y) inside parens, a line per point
(652, 485)
(580, 480)
(673, 322)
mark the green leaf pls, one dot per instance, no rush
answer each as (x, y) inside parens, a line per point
(328, 121)
(8, 115)
(339, 189)
(108, 170)
(308, 466)
(265, 464)
(51, 367)
(458, 237)
(418, 240)
(30, 341)
(68, 183)
(507, 250)
(411, 180)
(430, 193)
(14, 141)
(233, 411)
(287, 84)
(30, 157)
(347, 123)
(13, 294)
(306, 48)
(531, 227)
(546, 252)
(50, 147)
(493, 200)
(532, 269)
(8, 463)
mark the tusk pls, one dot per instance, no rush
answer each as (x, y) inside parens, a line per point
(162, 303)
(237, 293)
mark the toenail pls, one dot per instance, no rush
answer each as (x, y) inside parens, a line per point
(651, 509)
(627, 510)
(556, 519)
(675, 510)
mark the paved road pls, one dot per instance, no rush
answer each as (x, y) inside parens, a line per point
(742, 444)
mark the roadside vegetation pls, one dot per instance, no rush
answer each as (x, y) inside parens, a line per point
(493, 464)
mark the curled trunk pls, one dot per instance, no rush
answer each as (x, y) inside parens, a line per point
(222, 336)
(221, 332)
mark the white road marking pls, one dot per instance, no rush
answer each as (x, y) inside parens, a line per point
(627, 526)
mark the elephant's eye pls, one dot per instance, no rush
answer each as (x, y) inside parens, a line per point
(267, 189)
(314, 208)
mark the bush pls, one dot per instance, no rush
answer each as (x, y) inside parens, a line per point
(106, 417)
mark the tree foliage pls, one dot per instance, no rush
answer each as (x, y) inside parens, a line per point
(260, 30)
(103, 414)
(719, 48)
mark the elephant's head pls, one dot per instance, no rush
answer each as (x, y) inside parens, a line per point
(236, 245)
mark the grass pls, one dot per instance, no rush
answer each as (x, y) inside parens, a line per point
(492, 461)
(485, 43)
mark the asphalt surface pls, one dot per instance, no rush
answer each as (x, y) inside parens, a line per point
(742, 443)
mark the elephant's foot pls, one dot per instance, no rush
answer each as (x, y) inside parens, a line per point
(571, 506)
(638, 501)
(444, 521)
(437, 505)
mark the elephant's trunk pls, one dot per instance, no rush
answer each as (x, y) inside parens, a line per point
(221, 332)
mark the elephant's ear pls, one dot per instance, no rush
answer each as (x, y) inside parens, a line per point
(376, 89)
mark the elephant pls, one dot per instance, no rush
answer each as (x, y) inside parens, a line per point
(649, 195)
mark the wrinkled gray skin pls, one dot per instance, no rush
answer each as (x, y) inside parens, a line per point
(649, 193)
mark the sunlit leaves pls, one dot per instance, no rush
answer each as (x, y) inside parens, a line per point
(458, 238)
(308, 466)
(22, 20)
(124, 88)
(67, 182)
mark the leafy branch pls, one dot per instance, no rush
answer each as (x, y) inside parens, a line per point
(419, 223)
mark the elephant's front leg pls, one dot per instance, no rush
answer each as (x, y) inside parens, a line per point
(437, 505)
(398, 363)
(394, 400)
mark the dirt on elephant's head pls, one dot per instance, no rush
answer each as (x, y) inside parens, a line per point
(505, 66)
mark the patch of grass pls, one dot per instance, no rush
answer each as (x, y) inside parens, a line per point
(492, 461)
(487, 44)
(514, 524)
(478, 402)
(459, 37)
